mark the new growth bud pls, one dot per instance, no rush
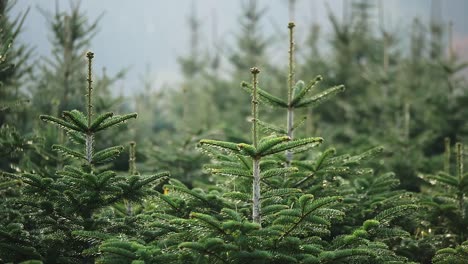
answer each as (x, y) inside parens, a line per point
(89, 55)
(254, 70)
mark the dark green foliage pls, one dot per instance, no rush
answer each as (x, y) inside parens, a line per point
(267, 146)
(74, 197)
(456, 255)
(282, 195)
(446, 206)
(214, 226)
(394, 98)
(298, 100)
(14, 69)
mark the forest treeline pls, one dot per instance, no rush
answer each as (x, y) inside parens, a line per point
(349, 155)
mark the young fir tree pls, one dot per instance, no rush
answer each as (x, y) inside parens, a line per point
(398, 114)
(446, 200)
(14, 71)
(194, 89)
(297, 96)
(251, 47)
(293, 209)
(263, 148)
(16, 67)
(320, 171)
(435, 97)
(56, 212)
(58, 85)
(198, 226)
(13, 143)
(60, 78)
(194, 117)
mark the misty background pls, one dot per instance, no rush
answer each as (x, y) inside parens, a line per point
(147, 36)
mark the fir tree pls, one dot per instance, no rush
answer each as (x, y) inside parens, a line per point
(67, 205)
(251, 49)
(190, 120)
(16, 67)
(58, 85)
(273, 197)
(447, 207)
(263, 148)
(297, 96)
(60, 79)
(14, 70)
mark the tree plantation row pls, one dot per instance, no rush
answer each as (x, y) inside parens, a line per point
(350, 155)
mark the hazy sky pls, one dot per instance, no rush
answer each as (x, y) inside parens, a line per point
(142, 33)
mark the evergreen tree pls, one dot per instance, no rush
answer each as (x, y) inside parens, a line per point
(446, 200)
(58, 84)
(278, 196)
(16, 66)
(57, 211)
(194, 90)
(265, 212)
(187, 121)
(60, 78)
(14, 70)
(251, 49)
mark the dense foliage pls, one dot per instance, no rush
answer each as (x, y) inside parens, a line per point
(369, 170)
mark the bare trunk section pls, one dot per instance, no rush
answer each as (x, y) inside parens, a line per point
(89, 147)
(256, 210)
(289, 154)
